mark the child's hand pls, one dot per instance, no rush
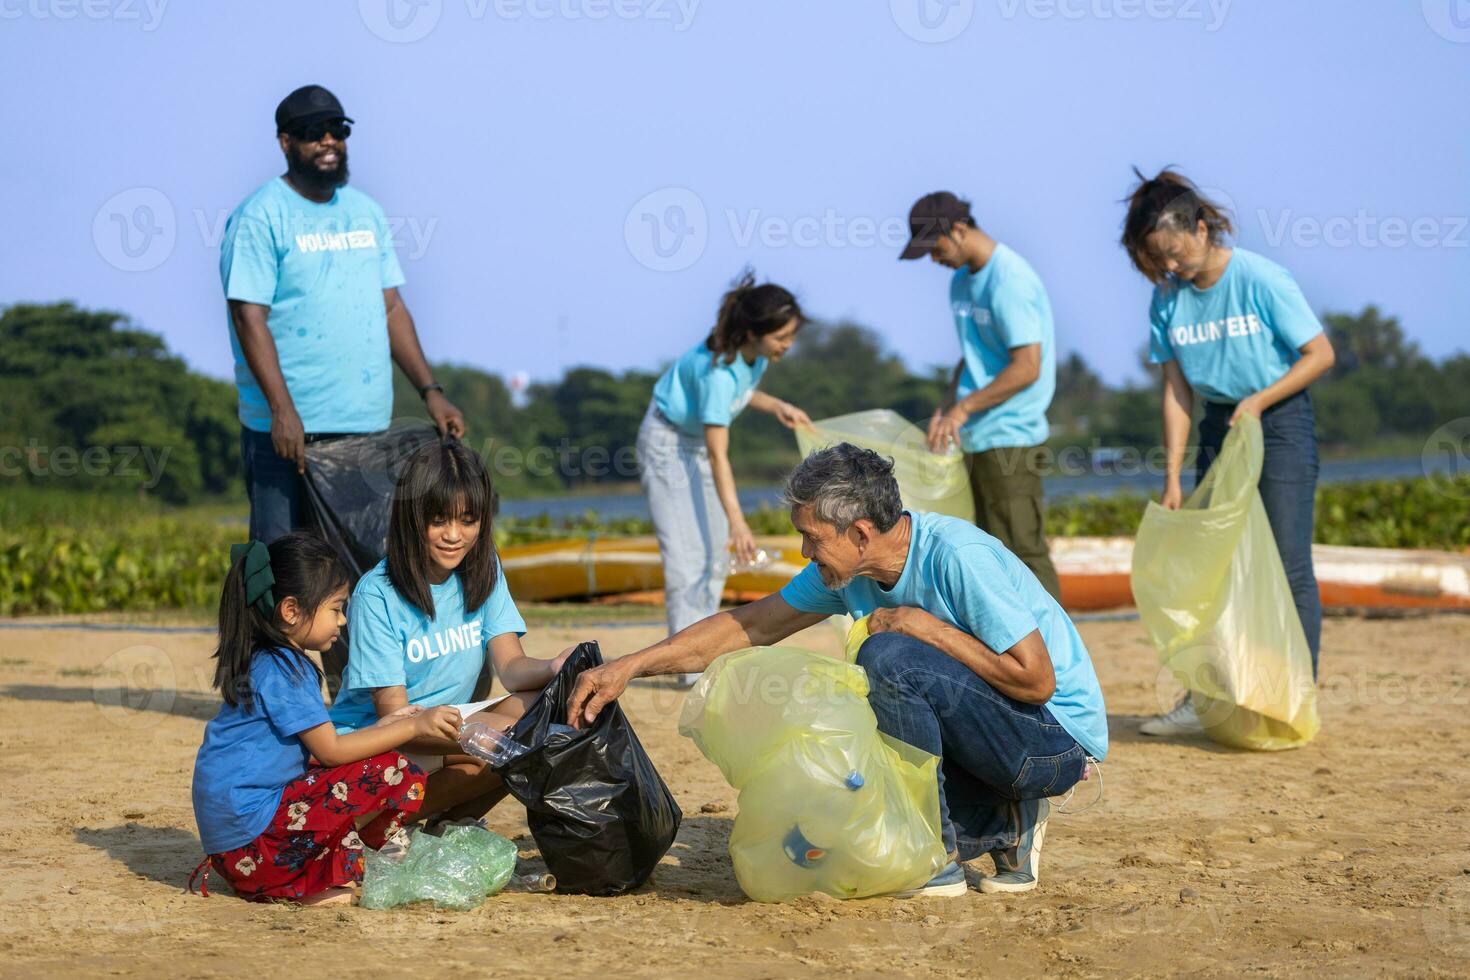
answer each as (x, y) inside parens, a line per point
(441, 722)
(561, 658)
(407, 711)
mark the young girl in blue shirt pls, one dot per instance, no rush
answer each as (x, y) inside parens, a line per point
(431, 621)
(1234, 327)
(284, 803)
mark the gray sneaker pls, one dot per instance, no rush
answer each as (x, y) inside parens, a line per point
(949, 883)
(1018, 868)
(1181, 720)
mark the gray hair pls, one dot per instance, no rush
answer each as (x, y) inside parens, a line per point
(844, 484)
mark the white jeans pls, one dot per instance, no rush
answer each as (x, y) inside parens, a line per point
(691, 525)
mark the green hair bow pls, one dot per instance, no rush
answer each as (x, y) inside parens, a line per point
(259, 578)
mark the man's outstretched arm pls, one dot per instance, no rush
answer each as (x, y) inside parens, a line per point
(760, 623)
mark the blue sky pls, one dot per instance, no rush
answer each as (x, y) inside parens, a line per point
(529, 151)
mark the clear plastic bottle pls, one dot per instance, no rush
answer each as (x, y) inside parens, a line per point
(761, 560)
(532, 883)
(486, 743)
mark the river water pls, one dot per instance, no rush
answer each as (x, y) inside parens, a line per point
(1104, 480)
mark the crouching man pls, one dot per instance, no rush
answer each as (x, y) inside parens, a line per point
(969, 657)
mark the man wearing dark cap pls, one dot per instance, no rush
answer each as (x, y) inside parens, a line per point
(316, 319)
(1003, 384)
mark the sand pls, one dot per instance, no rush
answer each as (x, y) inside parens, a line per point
(1348, 857)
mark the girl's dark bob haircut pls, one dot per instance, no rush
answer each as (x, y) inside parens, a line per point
(304, 566)
(441, 480)
(1168, 201)
(748, 311)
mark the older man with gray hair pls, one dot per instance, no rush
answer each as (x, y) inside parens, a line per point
(969, 657)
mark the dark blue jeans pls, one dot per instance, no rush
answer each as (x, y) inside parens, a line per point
(276, 491)
(1288, 489)
(992, 750)
(277, 496)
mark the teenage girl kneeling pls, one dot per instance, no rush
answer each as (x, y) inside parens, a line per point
(284, 803)
(434, 621)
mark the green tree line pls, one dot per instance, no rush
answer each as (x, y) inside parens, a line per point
(90, 400)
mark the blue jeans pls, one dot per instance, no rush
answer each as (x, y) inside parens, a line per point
(276, 491)
(992, 750)
(1288, 489)
(277, 496)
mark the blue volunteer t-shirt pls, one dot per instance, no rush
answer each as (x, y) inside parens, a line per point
(1237, 337)
(322, 269)
(248, 757)
(699, 389)
(963, 576)
(1002, 306)
(393, 643)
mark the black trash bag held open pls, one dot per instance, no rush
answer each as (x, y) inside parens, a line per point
(597, 807)
(349, 488)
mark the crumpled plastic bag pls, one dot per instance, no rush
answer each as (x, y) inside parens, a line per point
(456, 871)
(934, 482)
(596, 805)
(1212, 593)
(349, 488)
(827, 803)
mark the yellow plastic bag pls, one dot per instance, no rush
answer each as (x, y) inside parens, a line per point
(926, 481)
(1212, 593)
(857, 635)
(827, 803)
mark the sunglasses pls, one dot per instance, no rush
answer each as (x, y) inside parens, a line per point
(313, 132)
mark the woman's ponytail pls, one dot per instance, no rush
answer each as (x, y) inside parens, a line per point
(748, 311)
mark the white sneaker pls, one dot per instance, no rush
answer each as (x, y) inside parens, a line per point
(1182, 720)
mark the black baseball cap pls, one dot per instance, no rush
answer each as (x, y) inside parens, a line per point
(931, 216)
(308, 104)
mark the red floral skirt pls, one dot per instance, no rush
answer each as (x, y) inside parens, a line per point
(313, 842)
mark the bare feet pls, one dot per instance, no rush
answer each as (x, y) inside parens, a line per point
(332, 896)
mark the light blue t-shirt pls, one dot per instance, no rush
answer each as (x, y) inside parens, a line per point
(1237, 337)
(393, 643)
(699, 389)
(248, 757)
(963, 576)
(322, 269)
(1002, 306)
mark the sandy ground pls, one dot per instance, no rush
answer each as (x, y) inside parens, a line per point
(1351, 856)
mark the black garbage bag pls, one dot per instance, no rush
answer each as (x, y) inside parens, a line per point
(597, 807)
(349, 487)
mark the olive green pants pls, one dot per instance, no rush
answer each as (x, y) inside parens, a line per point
(1006, 483)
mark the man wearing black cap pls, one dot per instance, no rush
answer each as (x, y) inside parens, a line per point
(316, 320)
(1003, 384)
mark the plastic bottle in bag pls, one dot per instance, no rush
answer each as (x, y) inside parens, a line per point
(827, 803)
(489, 744)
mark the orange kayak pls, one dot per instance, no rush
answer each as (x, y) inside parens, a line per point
(1093, 571)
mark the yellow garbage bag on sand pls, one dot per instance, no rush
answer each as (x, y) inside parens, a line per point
(827, 803)
(1211, 590)
(927, 481)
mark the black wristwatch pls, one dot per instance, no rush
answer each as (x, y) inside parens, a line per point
(431, 386)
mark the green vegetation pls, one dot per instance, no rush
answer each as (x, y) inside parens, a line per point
(89, 401)
(75, 553)
(105, 435)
